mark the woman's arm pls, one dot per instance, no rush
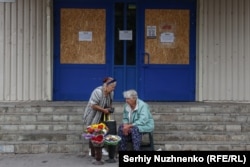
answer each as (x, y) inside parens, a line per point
(99, 108)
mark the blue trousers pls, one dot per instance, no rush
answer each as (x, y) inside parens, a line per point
(135, 136)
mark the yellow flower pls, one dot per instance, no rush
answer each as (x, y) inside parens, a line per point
(100, 128)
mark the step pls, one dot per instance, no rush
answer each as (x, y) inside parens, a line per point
(40, 136)
(158, 135)
(202, 136)
(35, 127)
(155, 106)
(159, 126)
(17, 117)
(202, 126)
(203, 146)
(41, 127)
(30, 147)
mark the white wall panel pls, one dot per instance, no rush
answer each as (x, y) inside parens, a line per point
(224, 50)
(24, 50)
(247, 49)
(7, 50)
(1, 51)
(20, 49)
(13, 54)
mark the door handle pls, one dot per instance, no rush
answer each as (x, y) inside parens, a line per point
(146, 54)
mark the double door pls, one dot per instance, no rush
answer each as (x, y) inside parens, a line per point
(147, 46)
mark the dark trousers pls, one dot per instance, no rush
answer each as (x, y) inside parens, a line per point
(134, 136)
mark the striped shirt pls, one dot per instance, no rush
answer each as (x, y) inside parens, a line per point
(97, 97)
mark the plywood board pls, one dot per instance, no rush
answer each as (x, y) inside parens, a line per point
(172, 25)
(75, 51)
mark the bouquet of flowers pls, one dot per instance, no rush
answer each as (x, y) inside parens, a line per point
(96, 133)
(97, 141)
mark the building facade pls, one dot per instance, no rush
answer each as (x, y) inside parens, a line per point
(168, 50)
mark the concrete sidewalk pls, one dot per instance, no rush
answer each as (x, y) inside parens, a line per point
(50, 160)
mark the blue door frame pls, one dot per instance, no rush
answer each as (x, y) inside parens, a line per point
(170, 82)
(153, 82)
(75, 82)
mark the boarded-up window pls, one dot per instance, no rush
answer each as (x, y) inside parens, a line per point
(171, 45)
(75, 49)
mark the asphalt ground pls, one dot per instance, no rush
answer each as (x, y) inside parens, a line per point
(51, 160)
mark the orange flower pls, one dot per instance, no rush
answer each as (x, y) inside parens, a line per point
(100, 126)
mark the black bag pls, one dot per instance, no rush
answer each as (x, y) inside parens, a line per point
(111, 124)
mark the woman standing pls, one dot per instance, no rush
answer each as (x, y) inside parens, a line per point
(99, 104)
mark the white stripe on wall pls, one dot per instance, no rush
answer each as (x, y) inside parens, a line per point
(24, 50)
(224, 50)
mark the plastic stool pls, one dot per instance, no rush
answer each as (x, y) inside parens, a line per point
(149, 146)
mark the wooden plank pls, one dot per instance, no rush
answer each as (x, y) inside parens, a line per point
(74, 51)
(168, 21)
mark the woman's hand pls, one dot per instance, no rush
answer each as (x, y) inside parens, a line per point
(126, 129)
(106, 111)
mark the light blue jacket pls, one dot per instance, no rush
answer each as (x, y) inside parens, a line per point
(141, 116)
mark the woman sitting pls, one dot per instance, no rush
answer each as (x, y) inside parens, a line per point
(137, 119)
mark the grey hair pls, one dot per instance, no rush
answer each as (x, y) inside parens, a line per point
(130, 94)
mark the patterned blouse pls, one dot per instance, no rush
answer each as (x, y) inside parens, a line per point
(97, 97)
